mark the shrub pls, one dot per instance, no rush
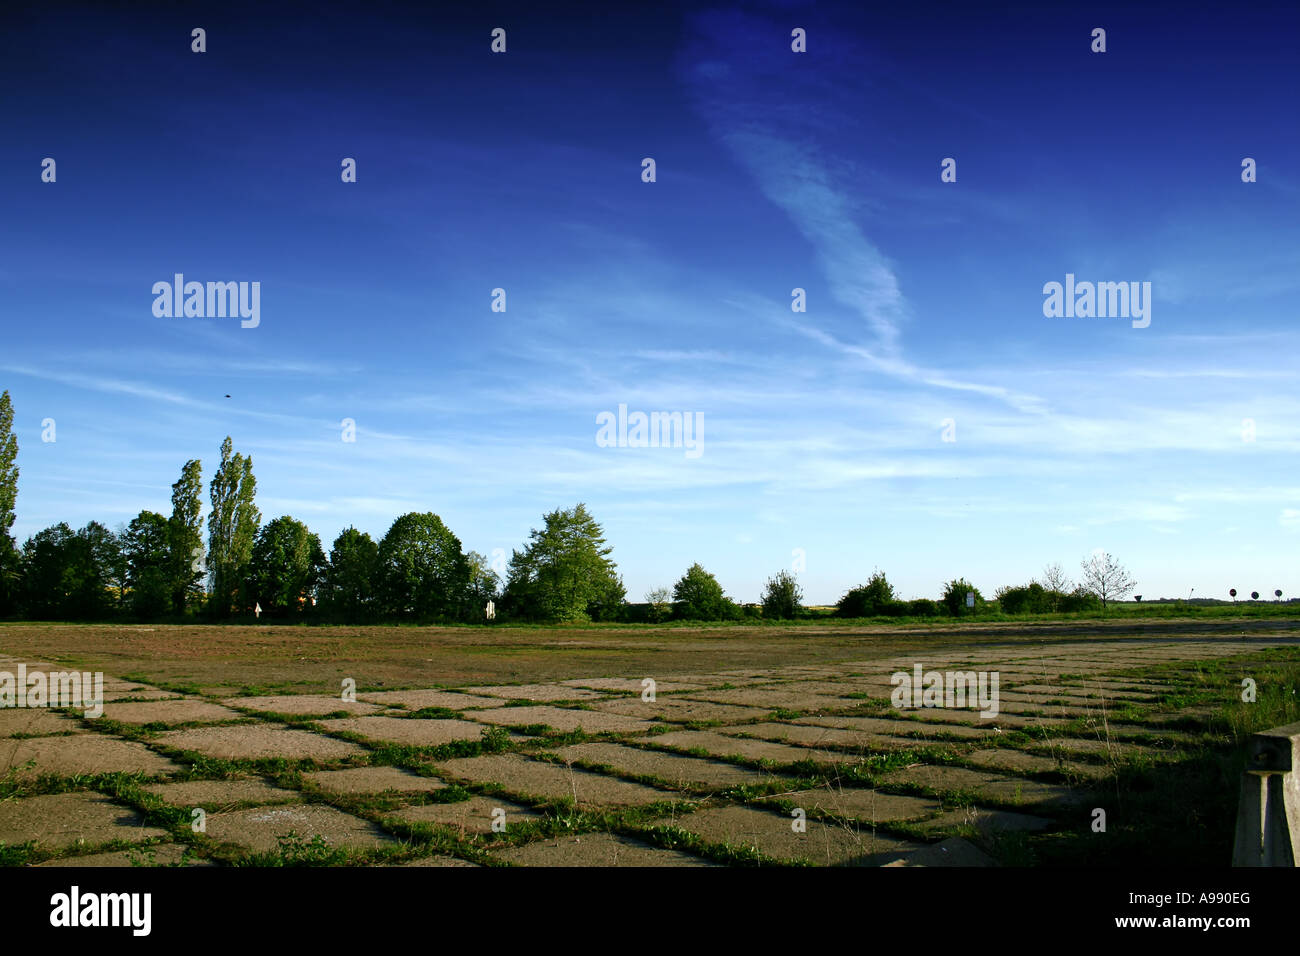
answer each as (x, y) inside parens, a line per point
(1080, 600)
(954, 597)
(923, 607)
(1032, 598)
(782, 596)
(867, 600)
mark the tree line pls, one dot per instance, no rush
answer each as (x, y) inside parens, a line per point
(161, 567)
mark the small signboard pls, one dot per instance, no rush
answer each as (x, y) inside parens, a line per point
(970, 598)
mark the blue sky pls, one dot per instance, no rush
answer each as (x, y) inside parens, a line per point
(822, 430)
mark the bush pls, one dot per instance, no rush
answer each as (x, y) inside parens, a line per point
(954, 597)
(1080, 600)
(923, 607)
(868, 600)
(658, 607)
(1032, 598)
(782, 596)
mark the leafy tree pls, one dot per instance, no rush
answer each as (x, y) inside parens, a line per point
(232, 526)
(185, 537)
(70, 575)
(484, 583)
(782, 596)
(564, 572)
(698, 597)
(1106, 578)
(422, 570)
(48, 572)
(954, 597)
(102, 571)
(285, 567)
(352, 576)
(10, 558)
(146, 548)
(868, 600)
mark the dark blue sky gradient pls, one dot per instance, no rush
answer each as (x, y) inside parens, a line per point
(775, 170)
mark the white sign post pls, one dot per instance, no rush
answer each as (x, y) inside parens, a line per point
(491, 610)
(257, 611)
(970, 598)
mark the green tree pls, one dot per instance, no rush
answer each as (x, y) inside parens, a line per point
(869, 599)
(185, 537)
(484, 583)
(10, 558)
(48, 573)
(954, 597)
(102, 571)
(146, 548)
(351, 578)
(232, 527)
(285, 567)
(698, 596)
(782, 596)
(422, 570)
(564, 572)
(71, 575)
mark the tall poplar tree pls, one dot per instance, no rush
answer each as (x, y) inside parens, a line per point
(185, 537)
(9, 557)
(232, 526)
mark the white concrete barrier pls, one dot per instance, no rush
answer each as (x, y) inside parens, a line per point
(1268, 816)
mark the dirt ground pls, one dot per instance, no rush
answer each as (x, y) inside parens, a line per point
(310, 659)
(544, 747)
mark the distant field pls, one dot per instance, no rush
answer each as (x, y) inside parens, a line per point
(316, 659)
(753, 732)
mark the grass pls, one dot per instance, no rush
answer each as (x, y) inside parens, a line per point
(1180, 812)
